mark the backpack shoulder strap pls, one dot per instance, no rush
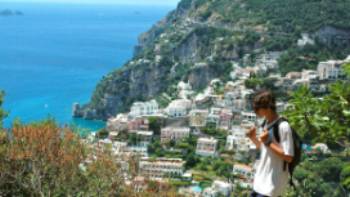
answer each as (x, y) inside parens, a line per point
(263, 124)
(276, 128)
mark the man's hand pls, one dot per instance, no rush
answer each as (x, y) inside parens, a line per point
(251, 133)
(264, 136)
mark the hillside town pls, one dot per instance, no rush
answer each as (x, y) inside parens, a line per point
(203, 134)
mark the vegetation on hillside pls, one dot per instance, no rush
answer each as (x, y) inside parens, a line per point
(42, 159)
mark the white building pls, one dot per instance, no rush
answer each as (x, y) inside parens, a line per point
(174, 133)
(243, 73)
(119, 147)
(144, 138)
(206, 146)
(218, 100)
(138, 123)
(329, 70)
(281, 106)
(214, 116)
(179, 108)
(161, 167)
(226, 118)
(230, 142)
(105, 143)
(144, 108)
(293, 75)
(138, 150)
(243, 171)
(304, 40)
(246, 149)
(113, 135)
(218, 188)
(267, 61)
(229, 98)
(306, 78)
(158, 58)
(237, 134)
(238, 142)
(239, 104)
(309, 74)
(119, 123)
(250, 116)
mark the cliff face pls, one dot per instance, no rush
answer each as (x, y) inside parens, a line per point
(123, 87)
(201, 39)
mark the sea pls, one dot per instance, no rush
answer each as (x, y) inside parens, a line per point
(55, 54)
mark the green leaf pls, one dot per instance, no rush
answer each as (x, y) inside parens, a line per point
(346, 113)
(325, 118)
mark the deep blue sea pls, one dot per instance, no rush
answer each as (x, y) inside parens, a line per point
(55, 54)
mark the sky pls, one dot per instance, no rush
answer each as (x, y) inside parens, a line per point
(128, 2)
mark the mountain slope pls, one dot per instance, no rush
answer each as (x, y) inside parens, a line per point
(201, 38)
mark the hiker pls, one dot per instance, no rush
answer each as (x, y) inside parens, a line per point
(276, 148)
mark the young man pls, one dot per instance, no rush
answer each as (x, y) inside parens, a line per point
(271, 179)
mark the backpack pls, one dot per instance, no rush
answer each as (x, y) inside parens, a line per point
(297, 148)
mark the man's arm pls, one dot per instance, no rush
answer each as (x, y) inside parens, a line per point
(276, 148)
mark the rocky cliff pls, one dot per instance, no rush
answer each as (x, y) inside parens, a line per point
(201, 39)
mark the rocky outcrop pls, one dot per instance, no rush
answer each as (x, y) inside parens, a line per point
(201, 74)
(115, 93)
(333, 36)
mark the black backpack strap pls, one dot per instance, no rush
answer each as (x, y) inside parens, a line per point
(276, 133)
(291, 183)
(263, 123)
(276, 128)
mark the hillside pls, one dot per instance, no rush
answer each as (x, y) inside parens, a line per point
(201, 40)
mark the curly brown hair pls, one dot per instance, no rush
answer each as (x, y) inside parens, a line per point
(264, 99)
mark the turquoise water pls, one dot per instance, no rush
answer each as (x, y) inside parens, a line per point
(55, 54)
(196, 189)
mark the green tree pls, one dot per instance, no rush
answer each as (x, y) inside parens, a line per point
(345, 176)
(102, 134)
(132, 139)
(319, 178)
(325, 119)
(155, 125)
(191, 160)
